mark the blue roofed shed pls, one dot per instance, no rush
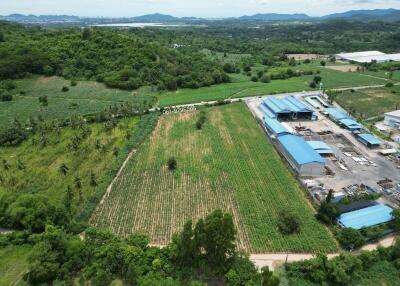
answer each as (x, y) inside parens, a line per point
(342, 118)
(336, 114)
(350, 124)
(275, 127)
(369, 140)
(366, 217)
(304, 159)
(320, 147)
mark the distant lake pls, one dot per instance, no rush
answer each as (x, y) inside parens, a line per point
(141, 25)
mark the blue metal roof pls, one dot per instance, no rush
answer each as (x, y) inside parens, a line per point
(287, 104)
(320, 147)
(350, 123)
(370, 139)
(275, 126)
(366, 217)
(299, 150)
(336, 113)
(297, 105)
(266, 111)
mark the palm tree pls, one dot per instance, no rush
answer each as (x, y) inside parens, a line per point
(93, 181)
(78, 182)
(63, 169)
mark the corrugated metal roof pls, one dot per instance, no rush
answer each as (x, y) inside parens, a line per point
(266, 111)
(275, 126)
(370, 139)
(395, 113)
(369, 56)
(360, 54)
(366, 217)
(320, 147)
(287, 104)
(350, 123)
(300, 151)
(336, 113)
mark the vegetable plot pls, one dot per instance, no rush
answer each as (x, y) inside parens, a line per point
(228, 164)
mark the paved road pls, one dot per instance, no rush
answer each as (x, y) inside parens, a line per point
(273, 260)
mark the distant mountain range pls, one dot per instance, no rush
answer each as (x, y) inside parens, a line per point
(359, 15)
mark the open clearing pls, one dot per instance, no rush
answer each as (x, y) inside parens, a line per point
(343, 68)
(229, 164)
(86, 98)
(371, 102)
(303, 57)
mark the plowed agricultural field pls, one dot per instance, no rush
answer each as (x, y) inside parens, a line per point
(229, 164)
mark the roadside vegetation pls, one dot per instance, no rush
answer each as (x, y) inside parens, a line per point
(378, 267)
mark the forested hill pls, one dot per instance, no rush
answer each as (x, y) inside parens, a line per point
(120, 59)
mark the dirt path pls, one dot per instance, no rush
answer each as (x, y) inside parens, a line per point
(273, 260)
(109, 188)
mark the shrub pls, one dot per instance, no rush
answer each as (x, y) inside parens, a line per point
(350, 238)
(317, 79)
(389, 84)
(313, 84)
(288, 223)
(265, 79)
(65, 89)
(323, 63)
(229, 68)
(74, 83)
(254, 78)
(172, 164)
(5, 95)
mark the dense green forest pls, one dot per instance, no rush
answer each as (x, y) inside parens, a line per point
(118, 58)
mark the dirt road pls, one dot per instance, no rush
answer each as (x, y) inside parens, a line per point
(273, 260)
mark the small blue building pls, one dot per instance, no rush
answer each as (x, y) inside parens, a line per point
(369, 140)
(343, 119)
(366, 217)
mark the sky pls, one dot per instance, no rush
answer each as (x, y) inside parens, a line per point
(197, 8)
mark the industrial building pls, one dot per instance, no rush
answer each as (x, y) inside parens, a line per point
(366, 217)
(343, 119)
(369, 140)
(287, 108)
(392, 119)
(303, 159)
(368, 57)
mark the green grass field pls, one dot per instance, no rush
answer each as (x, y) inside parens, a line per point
(241, 86)
(13, 264)
(85, 98)
(337, 79)
(371, 102)
(41, 163)
(229, 164)
(232, 90)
